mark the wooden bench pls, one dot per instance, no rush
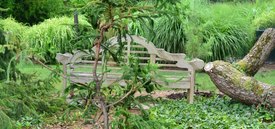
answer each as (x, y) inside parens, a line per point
(77, 67)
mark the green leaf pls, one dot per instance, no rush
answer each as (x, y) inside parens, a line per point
(2, 49)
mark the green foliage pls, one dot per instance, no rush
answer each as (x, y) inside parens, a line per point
(136, 77)
(124, 119)
(211, 113)
(226, 33)
(170, 34)
(202, 30)
(28, 122)
(10, 44)
(30, 97)
(235, 1)
(31, 11)
(55, 35)
(266, 20)
(5, 121)
(13, 33)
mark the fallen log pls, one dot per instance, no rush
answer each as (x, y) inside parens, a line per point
(236, 80)
(238, 86)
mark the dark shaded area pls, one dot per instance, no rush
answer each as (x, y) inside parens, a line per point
(197, 93)
(31, 11)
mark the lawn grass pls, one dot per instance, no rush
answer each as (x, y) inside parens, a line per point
(203, 81)
(40, 71)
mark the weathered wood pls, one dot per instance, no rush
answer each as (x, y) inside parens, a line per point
(238, 86)
(236, 81)
(175, 60)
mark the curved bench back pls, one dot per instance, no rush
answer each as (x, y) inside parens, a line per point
(78, 66)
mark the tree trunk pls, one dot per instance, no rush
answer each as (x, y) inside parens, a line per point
(238, 86)
(255, 59)
(234, 79)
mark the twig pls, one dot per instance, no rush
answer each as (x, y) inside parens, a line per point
(47, 67)
(122, 98)
(127, 94)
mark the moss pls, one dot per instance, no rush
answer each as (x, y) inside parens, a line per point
(247, 83)
(258, 89)
(241, 66)
(237, 77)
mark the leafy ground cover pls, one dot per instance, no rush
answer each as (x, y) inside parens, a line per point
(215, 112)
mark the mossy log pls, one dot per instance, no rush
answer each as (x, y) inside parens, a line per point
(256, 57)
(238, 85)
(236, 80)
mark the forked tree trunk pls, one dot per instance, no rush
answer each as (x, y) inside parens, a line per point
(236, 81)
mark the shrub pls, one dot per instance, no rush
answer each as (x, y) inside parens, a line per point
(169, 34)
(265, 20)
(10, 44)
(52, 36)
(13, 32)
(32, 11)
(5, 122)
(228, 33)
(29, 97)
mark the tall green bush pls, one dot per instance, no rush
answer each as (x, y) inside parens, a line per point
(52, 36)
(10, 45)
(32, 11)
(169, 34)
(226, 28)
(265, 20)
(165, 32)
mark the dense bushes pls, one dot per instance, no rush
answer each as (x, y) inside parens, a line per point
(31, 11)
(29, 97)
(53, 36)
(10, 44)
(211, 31)
(47, 38)
(228, 33)
(169, 34)
(205, 30)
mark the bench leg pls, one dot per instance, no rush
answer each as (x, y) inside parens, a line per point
(190, 96)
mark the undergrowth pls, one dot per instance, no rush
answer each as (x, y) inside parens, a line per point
(29, 100)
(212, 112)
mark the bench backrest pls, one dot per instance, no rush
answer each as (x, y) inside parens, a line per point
(173, 66)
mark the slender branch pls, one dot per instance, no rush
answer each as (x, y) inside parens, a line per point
(103, 29)
(122, 98)
(51, 69)
(127, 94)
(105, 113)
(47, 67)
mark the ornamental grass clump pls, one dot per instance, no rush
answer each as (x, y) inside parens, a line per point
(225, 28)
(52, 36)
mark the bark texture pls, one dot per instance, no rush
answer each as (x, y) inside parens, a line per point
(256, 57)
(238, 86)
(236, 81)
